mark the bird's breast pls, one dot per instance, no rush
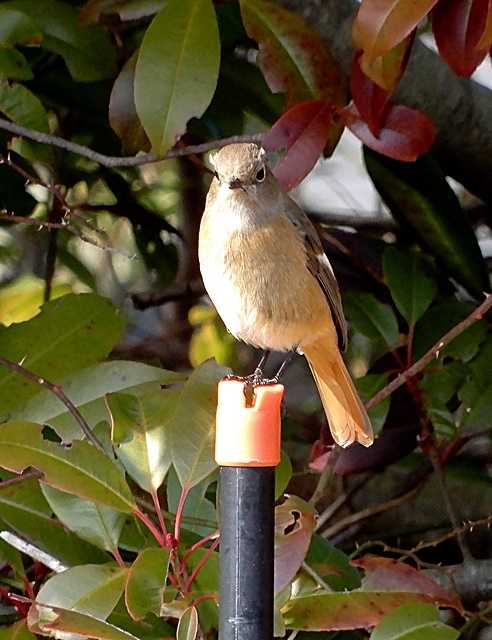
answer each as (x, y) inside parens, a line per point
(258, 280)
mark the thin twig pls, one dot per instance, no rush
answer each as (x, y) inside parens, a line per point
(373, 510)
(342, 218)
(432, 353)
(158, 510)
(65, 211)
(201, 563)
(337, 504)
(58, 391)
(27, 475)
(121, 161)
(323, 482)
(466, 526)
(316, 577)
(177, 291)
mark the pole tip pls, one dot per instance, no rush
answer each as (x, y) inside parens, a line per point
(248, 433)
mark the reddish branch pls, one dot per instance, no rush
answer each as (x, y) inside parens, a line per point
(58, 391)
(432, 353)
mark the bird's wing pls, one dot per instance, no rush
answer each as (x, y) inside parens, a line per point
(319, 265)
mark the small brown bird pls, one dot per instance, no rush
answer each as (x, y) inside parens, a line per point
(265, 270)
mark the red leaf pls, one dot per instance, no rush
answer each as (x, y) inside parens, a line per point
(303, 132)
(382, 24)
(385, 574)
(458, 27)
(294, 526)
(368, 97)
(406, 134)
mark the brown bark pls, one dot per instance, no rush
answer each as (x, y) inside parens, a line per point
(460, 108)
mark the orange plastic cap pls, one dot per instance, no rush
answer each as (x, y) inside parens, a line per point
(248, 436)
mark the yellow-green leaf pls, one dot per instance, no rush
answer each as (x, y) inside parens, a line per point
(146, 582)
(177, 70)
(80, 469)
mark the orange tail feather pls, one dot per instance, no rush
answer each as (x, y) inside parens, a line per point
(344, 410)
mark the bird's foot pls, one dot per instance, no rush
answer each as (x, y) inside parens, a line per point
(255, 379)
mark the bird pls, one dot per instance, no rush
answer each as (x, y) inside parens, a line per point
(265, 270)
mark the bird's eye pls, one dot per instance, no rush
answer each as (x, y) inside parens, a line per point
(260, 176)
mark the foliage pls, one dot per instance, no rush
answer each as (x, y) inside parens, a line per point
(116, 537)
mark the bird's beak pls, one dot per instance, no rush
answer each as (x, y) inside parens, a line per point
(235, 183)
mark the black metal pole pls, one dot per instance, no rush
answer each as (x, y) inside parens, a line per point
(246, 503)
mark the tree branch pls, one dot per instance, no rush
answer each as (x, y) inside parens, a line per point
(368, 512)
(432, 353)
(120, 161)
(59, 393)
(460, 108)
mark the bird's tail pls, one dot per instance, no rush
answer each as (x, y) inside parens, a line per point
(346, 415)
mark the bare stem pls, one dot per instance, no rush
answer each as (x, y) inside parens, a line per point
(373, 510)
(179, 512)
(57, 390)
(123, 161)
(201, 564)
(144, 518)
(160, 517)
(432, 353)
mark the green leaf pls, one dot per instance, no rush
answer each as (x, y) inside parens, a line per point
(24, 511)
(420, 199)
(51, 621)
(123, 116)
(99, 525)
(177, 69)
(70, 333)
(139, 432)
(87, 390)
(12, 557)
(22, 107)
(80, 469)
(88, 52)
(93, 589)
(192, 426)
(13, 65)
(440, 319)
(188, 625)
(413, 622)
(332, 565)
(17, 631)
(348, 610)
(151, 628)
(441, 385)
(146, 582)
(372, 318)
(197, 505)
(283, 474)
(17, 28)
(368, 386)
(412, 288)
